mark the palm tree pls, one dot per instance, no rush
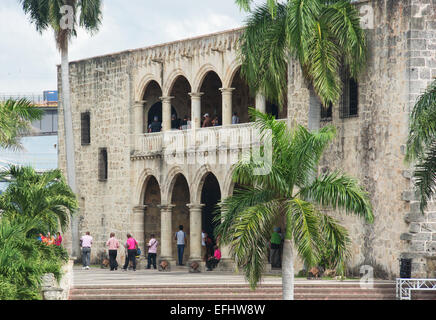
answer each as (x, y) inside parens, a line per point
(421, 144)
(15, 119)
(46, 199)
(45, 14)
(292, 193)
(323, 35)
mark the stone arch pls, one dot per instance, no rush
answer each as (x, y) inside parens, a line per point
(230, 74)
(142, 184)
(171, 80)
(201, 74)
(197, 184)
(228, 185)
(169, 183)
(143, 84)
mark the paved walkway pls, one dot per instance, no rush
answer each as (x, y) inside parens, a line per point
(179, 275)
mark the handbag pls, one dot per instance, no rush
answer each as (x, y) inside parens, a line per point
(138, 252)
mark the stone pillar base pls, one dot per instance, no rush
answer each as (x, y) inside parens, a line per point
(226, 265)
(165, 264)
(200, 265)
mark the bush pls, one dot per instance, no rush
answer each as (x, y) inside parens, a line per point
(23, 261)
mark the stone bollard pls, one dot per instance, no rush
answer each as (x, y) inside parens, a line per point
(49, 288)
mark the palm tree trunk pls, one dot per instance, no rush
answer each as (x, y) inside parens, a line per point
(288, 270)
(69, 139)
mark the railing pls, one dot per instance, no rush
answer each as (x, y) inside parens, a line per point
(221, 137)
(35, 98)
(404, 287)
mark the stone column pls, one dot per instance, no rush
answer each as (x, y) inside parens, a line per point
(138, 117)
(260, 102)
(227, 105)
(166, 113)
(195, 231)
(138, 231)
(196, 109)
(137, 224)
(166, 232)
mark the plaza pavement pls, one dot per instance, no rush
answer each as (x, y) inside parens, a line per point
(179, 275)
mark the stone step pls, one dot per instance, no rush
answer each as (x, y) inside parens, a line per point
(224, 286)
(190, 296)
(326, 291)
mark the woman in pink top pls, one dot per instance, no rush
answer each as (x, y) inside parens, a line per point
(58, 240)
(113, 246)
(131, 246)
(213, 261)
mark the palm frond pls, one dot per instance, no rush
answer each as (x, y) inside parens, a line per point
(422, 126)
(303, 228)
(337, 190)
(425, 176)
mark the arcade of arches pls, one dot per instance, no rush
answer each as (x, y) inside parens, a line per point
(163, 220)
(212, 99)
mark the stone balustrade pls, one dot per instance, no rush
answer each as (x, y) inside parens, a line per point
(231, 137)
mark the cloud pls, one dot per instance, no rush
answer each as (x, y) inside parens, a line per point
(28, 60)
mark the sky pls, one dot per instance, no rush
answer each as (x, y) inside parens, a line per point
(28, 59)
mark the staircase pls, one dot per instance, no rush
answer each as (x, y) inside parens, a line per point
(303, 291)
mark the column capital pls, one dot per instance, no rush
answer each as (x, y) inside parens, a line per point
(139, 208)
(195, 206)
(166, 207)
(196, 94)
(227, 90)
(139, 103)
(166, 98)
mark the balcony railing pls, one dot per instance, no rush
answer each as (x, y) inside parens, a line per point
(212, 138)
(235, 137)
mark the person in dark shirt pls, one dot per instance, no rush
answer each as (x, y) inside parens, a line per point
(184, 123)
(155, 126)
(175, 123)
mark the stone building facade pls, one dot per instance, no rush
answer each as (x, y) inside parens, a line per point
(130, 180)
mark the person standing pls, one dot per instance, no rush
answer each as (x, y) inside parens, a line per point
(50, 240)
(276, 241)
(181, 241)
(86, 243)
(58, 240)
(203, 245)
(131, 245)
(113, 245)
(207, 121)
(235, 118)
(155, 126)
(152, 252)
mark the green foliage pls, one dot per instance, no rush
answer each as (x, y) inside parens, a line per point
(47, 14)
(24, 260)
(322, 35)
(31, 204)
(421, 144)
(15, 119)
(290, 191)
(46, 199)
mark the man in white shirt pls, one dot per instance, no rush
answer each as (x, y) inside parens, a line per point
(203, 244)
(152, 251)
(86, 243)
(181, 241)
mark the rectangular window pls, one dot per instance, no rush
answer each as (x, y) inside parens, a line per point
(326, 112)
(350, 97)
(102, 164)
(85, 119)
